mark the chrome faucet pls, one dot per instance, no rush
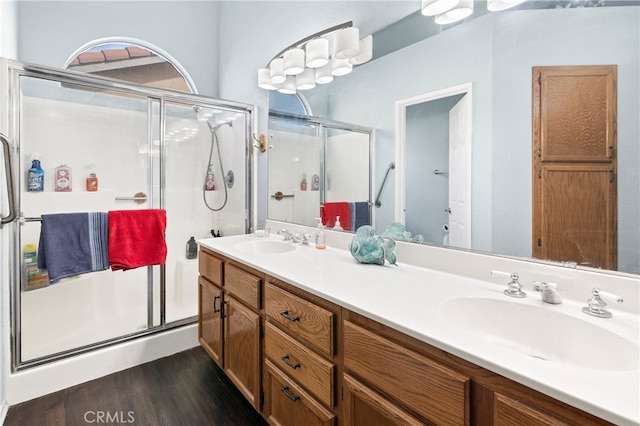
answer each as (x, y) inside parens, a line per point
(288, 236)
(549, 292)
(597, 307)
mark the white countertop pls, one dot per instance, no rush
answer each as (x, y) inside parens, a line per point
(410, 299)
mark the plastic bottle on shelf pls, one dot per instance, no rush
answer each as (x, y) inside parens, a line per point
(337, 226)
(192, 249)
(63, 178)
(35, 177)
(321, 237)
(92, 181)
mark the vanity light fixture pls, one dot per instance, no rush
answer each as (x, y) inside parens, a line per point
(436, 7)
(461, 11)
(497, 5)
(316, 59)
(451, 11)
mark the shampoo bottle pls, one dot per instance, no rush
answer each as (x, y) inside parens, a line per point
(192, 249)
(92, 182)
(35, 177)
(63, 178)
(321, 237)
(209, 182)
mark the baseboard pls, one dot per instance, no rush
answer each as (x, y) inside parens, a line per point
(3, 411)
(38, 381)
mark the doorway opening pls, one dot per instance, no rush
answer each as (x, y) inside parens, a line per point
(433, 157)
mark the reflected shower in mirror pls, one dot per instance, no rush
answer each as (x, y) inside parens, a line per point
(318, 168)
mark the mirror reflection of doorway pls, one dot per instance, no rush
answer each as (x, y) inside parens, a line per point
(435, 139)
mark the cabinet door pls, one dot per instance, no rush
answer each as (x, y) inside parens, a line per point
(287, 404)
(365, 407)
(210, 319)
(509, 412)
(242, 349)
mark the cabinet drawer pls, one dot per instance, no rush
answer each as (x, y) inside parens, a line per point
(304, 319)
(433, 391)
(299, 362)
(287, 404)
(242, 285)
(210, 267)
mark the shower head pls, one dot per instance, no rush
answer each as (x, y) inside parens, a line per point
(214, 127)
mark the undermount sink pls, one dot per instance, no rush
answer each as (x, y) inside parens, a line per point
(264, 247)
(540, 332)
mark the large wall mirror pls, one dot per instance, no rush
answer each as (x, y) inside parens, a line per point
(496, 53)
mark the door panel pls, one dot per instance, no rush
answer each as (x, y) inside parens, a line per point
(577, 106)
(578, 210)
(574, 205)
(459, 171)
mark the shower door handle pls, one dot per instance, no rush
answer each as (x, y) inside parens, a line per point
(8, 170)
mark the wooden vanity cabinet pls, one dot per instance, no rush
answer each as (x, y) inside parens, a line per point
(301, 357)
(230, 322)
(393, 379)
(302, 360)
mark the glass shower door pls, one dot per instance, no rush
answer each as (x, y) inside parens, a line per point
(205, 192)
(88, 129)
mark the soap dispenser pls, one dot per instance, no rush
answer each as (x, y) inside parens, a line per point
(321, 237)
(337, 226)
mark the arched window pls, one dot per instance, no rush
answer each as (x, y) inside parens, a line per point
(292, 104)
(131, 60)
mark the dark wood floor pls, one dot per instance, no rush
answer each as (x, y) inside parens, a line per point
(182, 389)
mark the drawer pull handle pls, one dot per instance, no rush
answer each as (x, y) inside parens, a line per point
(289, 317)
(285, 390)
(215, 309)
(285, 359)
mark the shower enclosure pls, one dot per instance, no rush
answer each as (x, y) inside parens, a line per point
(150, 149)
(313, 161)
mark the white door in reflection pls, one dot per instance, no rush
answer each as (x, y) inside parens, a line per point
(459, 172)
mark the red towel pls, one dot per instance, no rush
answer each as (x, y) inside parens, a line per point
(136, 238)
(330, 211)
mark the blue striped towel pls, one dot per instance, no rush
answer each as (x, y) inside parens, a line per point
(73, 244)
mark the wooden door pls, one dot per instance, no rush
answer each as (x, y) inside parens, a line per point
(574, 165)
(242, 349)
(210, 319)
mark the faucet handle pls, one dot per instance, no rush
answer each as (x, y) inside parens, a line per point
(597, 307)
(286, 234)
(514, 288)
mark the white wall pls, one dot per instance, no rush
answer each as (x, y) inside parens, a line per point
(49, 32)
